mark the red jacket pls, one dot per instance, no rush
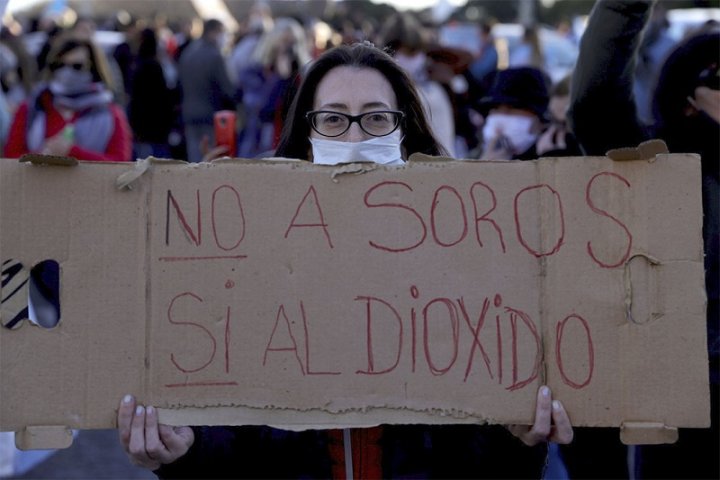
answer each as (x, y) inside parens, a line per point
(119, 148)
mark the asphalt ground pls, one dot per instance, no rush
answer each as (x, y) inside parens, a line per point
(97, 454)
(94, 455)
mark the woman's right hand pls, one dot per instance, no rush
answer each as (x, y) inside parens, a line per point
(147, 443)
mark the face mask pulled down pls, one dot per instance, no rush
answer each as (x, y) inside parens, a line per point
(381, 150)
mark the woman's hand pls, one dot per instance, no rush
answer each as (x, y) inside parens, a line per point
(552, 423)
(497, 148)
(148, 444)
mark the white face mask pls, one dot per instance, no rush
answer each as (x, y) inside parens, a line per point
(516, 128)
(414, 65)
(382, 150)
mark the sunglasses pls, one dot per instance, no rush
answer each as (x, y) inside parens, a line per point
(79, 66)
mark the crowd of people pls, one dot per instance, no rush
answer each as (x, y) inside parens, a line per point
(309, 91)
(166, 84)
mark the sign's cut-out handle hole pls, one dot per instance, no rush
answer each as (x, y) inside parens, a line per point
(33, 295)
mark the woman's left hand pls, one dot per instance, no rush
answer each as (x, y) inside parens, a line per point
(552, 423)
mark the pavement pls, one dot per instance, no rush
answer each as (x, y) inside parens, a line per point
(97, 454)
(94, 455)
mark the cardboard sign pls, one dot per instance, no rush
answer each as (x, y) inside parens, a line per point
(285, 293)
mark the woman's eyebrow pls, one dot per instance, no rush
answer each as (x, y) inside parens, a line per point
(375, 105)
(343, 106)
(338, 106)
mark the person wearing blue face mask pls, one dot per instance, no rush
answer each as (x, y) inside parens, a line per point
(355, 104)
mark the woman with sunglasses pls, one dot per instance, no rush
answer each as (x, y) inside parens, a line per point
(355, 104)
(72, 111)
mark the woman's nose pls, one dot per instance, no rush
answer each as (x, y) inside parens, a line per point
(355, 133)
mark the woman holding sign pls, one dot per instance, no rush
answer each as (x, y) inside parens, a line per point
(355, 103)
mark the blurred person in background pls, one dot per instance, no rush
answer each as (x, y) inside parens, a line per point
(269, 83)
(18, 70)
(529, 52)
(557, 140)
(72, 112)
(686, 115)
(486, 61)
(515, 114)
(321, 37)
(403, 35)
(259, 22)
(151, 108)
(5, 119)
(49, 30)
(125, 53)
(655, 45)
(84, 29)
(206, 87)
(183, 37)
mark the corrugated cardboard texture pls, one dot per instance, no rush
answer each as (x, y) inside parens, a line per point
(286, 293)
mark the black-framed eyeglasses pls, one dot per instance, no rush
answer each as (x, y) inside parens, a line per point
(333, 124)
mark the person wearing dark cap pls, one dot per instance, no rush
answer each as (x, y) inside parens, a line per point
(686, 111)
(515, 110)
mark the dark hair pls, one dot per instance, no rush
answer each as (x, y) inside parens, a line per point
(67, 43)
(418, 137)
(211, 26)
(679, 77)
(682, 128)
(403, 30)
(525, 88)
(148, 46)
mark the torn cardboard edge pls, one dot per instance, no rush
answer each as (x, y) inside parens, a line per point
(328, 419)
(37, 159)
(647, 150)
(631, 433)
(316, 419)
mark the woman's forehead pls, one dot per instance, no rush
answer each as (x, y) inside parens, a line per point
(354, 89)
(78, 53)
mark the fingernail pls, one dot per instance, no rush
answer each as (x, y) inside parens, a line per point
(150, 410)
(127, 399)
(545, 391)
(139, 410)
(556, 405)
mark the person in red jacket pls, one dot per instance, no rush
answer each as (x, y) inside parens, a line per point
(72, 112)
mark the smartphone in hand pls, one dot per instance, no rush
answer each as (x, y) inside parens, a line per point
(224, 123)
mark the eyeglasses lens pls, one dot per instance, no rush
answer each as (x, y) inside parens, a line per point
(379, 123)
(333, 124)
